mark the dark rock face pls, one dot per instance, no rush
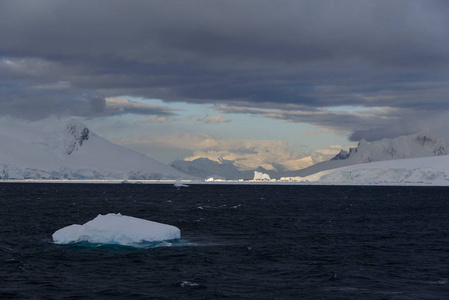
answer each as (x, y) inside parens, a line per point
(440, 151)
(342, 155)
(76, 134)
(424, 140)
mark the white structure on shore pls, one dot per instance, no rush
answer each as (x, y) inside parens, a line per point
(259, 176)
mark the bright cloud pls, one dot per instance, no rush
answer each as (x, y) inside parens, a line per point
(116, 105)
(214, 119)
(155, 119)
(332, 149)
(338, 122)
(246, 153)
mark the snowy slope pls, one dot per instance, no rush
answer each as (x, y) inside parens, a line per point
(73, 152)
(412, 171)
(224, 169)
(409, 146)
(205, 168)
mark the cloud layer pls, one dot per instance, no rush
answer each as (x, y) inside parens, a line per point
(64, 57)
(214, 119)
(247, 154)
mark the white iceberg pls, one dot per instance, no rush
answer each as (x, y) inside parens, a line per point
(180, 184)
(261, 176)
(116, 229)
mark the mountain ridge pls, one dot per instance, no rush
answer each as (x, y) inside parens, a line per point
(432, 170)
(74, 152)
(407, 146)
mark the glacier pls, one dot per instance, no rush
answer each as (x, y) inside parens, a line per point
(117, 229)
(403, 147)
(412, 171)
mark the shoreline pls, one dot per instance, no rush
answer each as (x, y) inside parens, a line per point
(186, 183)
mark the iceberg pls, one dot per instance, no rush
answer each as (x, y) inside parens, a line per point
(261, 176)
(180, 184)
(116, 229)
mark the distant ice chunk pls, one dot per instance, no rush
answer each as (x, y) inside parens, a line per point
(180, 184)
(261, 176)
(116, 229)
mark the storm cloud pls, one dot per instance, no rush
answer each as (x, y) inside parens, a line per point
(69, 56)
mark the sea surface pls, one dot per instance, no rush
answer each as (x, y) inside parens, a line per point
(238, 242)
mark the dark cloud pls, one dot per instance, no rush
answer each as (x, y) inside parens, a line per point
(310, 54)
(369, 124)
(43, 102)
(425, 121)
(379, 133)
(97, 104)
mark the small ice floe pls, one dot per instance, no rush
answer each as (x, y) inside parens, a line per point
(117, 229)
(180, 184)
(189, 284)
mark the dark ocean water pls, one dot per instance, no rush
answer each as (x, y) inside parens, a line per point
(239, 242)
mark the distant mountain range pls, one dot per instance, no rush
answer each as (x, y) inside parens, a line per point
(73, 152)
(206, 168)
(410, 146)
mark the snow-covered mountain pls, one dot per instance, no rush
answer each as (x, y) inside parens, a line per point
(408, 146)
(73, 152)
(411, 171)
(229, 169)
(223, 169)
(205, 168)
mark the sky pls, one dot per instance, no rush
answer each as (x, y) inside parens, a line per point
(255, 82)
